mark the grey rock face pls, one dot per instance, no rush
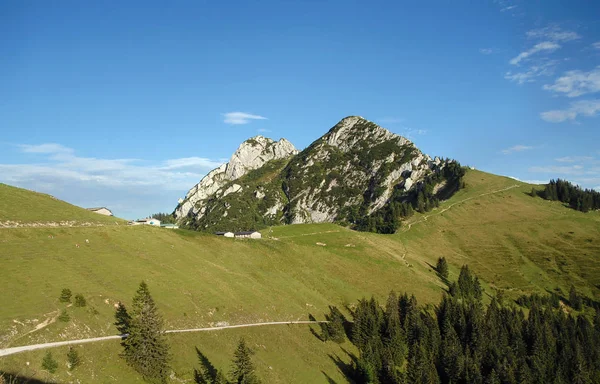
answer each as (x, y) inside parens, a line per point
(251, 154)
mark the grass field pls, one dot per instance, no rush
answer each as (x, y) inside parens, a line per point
(511, 240)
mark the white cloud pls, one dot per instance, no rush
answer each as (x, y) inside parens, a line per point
(191, 162)
(559, 169)
(576, 83)
(486, 51)
(264, 130)
(508, 8)
(547, 46)
(574, 159)
(588, 108)
(516, 148)
(48, 148)
(596, 45)
(132, 187)
(237, 118)
(538, 182)
(552, 33)
(543, 68)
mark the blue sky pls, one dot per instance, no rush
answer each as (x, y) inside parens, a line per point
(128, 106)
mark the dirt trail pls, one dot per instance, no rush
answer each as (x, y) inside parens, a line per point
(459, 202)
(24, 348)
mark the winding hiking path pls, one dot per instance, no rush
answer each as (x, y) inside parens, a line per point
(459, 202)
(24, 348)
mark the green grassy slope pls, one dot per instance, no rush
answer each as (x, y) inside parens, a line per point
(509, 239)
(512, 240)
(27, 207)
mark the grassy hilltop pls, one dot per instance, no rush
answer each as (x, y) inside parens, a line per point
(509, 239)
(21, 206)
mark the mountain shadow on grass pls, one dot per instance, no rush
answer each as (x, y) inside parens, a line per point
(15, 378)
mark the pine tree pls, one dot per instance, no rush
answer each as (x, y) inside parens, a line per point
(65, 295)
(242, 370)
(574, 299)
(73, 358)
(442, 268)
(64, 316)
(80, 300)
(334, 330)
(48, 363)
(122, 319)
(145, 348)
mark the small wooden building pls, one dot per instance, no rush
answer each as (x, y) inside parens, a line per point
(225, 234)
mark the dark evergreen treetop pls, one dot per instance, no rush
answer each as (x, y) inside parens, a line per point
(583, 200)
(146, 348)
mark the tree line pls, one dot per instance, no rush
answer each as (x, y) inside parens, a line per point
(583, 200)
(462, 341)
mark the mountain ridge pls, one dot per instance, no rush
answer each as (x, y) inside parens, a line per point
(351, 172)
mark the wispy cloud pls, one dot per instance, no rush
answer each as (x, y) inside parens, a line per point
(574, 159)
(596, 45)
(530, 181)
(190, 162)
(510, 7)
(581, 170)
(238, 118)
(410, 133)
(48, 148)
(486, 51)
(543, 68)
(131, 184)
(552, 33)
(576, 83)
(559, 169)
(546, 46)
(588, 108)
(516, 148)
(264, 130)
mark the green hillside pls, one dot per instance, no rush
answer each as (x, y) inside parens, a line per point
(509, 239)
(21, 206)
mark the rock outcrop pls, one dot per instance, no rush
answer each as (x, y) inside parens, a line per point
(251, 154)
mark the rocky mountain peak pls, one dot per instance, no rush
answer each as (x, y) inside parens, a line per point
(358, 173)
(251, 154)
(353, 129)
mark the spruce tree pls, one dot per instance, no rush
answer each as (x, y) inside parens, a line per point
(48, 363)
(242, 370)
(334, 330)
(80, 300)
(442, 268)
(65, 295)
(73, 358)
(574, 299)
(145, 348)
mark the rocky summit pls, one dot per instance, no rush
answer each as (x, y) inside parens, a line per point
(251, 154)
(356, 171)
